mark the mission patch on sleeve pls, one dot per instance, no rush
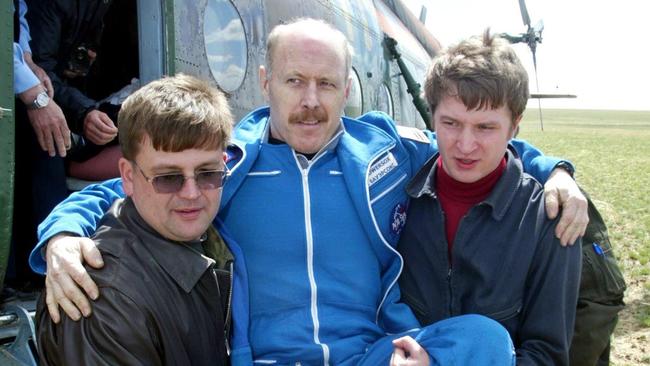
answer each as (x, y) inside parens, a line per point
(381, 167)
(413, 133)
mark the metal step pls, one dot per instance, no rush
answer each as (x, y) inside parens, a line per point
(18, 333)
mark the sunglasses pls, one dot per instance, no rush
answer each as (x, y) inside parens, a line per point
(172, 183)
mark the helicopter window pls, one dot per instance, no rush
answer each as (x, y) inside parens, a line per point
(385, 100)
(225, 44)
(354, 106)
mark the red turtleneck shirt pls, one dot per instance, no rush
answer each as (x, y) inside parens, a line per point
(456, 198)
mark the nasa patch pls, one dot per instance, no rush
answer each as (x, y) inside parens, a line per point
(398, 218)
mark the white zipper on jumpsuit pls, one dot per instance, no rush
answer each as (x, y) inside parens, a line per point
(310, 259)
(374, 221)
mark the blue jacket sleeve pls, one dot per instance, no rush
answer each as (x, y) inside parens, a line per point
(420, 145)
(78, 214)
(535, 162)
(395, 316)
(24, 27)
(24, 77)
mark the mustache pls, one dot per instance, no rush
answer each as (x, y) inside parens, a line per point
(309, 115)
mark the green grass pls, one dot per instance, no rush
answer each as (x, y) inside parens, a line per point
(611, 152)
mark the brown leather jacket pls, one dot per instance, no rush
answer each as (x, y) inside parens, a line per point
(160, 303)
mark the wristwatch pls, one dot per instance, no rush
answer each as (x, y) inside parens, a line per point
(41, 101)
(566, 166)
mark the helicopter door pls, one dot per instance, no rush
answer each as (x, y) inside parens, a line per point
(152, 48)
(6, 136)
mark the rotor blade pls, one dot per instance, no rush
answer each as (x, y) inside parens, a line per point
(551, 96)
(524, 13)
(539, 27)
(539, 100)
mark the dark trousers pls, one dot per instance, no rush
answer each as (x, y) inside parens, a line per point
(39, 186)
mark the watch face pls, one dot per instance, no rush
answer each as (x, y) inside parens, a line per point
(42, 99)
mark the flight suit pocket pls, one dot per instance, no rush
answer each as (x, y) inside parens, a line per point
(507, 313)
(508, 317)
(602, 280)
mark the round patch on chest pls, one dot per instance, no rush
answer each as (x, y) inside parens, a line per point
(398, 218)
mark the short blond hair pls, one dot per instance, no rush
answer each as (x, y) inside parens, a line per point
(177, 113)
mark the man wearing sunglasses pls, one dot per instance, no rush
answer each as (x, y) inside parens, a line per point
(167, 283)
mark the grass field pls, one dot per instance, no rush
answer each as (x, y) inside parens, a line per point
(611, 151)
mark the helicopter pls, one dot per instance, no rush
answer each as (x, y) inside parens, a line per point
(224, 42)
(531, 38)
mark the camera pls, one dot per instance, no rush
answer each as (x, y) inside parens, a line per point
(79, 62)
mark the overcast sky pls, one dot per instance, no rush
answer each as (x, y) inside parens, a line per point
(598, 49)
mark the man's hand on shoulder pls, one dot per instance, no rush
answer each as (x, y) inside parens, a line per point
(561, 190)
(66, 275)
(407, 352)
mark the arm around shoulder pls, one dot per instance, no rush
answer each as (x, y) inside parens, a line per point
(420, 145)
(79, 214)
(535, 162)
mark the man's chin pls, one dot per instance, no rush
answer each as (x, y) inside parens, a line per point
(463, 176)
(189, 237)
(193, 232)
(306, 146)
(467, 178)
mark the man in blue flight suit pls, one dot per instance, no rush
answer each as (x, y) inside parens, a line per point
(317, 203)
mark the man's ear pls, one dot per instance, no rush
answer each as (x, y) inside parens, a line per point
(264, 82)
(348, 86)
(126, 172)
(515, 127)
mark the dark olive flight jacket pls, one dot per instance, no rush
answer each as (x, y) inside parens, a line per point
(160, 303)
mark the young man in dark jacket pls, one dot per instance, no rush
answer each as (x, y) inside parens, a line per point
(167, 282)
(477, 239)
